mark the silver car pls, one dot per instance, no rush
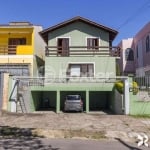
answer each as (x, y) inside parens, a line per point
(73, 103)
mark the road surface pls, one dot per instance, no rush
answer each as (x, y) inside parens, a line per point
(66, 144)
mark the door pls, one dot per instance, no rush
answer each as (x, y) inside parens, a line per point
(63, 46)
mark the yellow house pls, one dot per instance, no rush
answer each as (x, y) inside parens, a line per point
(21, 49)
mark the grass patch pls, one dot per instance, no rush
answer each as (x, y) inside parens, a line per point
(141, 116)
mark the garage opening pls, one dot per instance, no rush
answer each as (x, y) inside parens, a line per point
(63, 95)
(100, 101)
(44, 101)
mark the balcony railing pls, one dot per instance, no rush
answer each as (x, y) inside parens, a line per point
(16, 49)
(42, 81)
(8, 49)
(82, 51)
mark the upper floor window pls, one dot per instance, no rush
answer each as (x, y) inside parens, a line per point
(17, 41)
(147, 44)
(63, 46)
(92, 43)
(129, 54)
(13, 42)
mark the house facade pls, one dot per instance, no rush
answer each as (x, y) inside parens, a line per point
(126, 61)
(21, 49)
(135, 53)
(79, 59)
(142, 51)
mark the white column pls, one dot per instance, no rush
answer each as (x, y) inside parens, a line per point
(126, 96)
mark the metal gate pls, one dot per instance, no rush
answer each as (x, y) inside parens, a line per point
(143, 87)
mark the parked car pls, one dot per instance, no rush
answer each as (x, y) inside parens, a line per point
(73, 103)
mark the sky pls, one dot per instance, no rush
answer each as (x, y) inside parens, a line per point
(125, 16)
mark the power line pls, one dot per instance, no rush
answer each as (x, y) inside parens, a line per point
(134, 14)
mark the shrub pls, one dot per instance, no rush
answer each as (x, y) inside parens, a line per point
(135, 87)
(120, 88)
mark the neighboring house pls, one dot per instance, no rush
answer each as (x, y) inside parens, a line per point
(21, 49)
(135, 53)
(79, 59)
(142, 51)
(126, 61)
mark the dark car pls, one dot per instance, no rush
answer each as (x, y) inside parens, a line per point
(73, 103)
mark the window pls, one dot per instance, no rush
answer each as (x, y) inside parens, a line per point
(81, 70)
(92, 43)
(129, 56)
(16, 69)
(63, 46)
(13, 42)
(147, 44)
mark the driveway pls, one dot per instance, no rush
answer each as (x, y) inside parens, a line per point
(95, 125)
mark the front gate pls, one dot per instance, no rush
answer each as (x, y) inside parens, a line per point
(143, 87)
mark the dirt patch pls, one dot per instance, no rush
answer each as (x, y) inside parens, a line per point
(69, 134)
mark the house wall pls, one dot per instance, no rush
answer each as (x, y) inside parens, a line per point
(38, 44)
(142, 61)
(126, 66)
(18, 33)
(57, 66)
(25, 54)
(138, 107)
(78, 32)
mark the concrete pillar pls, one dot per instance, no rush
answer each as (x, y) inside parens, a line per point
(58, 102)
(126, 96)
(87, 101)
(5, 90)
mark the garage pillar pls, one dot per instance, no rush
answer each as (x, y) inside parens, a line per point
(87, 101)
(58, 102)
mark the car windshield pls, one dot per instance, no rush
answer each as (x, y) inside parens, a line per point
(73, 97)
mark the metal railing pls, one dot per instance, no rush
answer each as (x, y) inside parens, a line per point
(143, 82)
(8, 49)
(83, 51)
(42, 81)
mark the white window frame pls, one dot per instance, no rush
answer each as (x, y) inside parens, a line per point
(63, 37)
(93, 37)
(79, 63)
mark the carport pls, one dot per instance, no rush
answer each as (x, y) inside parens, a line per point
(99, 100)
(63, 95)
(96, 97)
(44, 100)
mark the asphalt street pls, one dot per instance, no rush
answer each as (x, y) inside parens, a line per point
(66, 144)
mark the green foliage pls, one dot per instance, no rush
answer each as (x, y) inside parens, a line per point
(135, 87)
(120, 88)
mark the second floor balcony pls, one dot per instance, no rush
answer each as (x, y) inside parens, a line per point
(16, 50)
(56, 51)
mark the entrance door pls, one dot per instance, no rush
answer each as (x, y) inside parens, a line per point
(63, 46)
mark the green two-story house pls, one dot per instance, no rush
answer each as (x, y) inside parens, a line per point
(79, 59)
